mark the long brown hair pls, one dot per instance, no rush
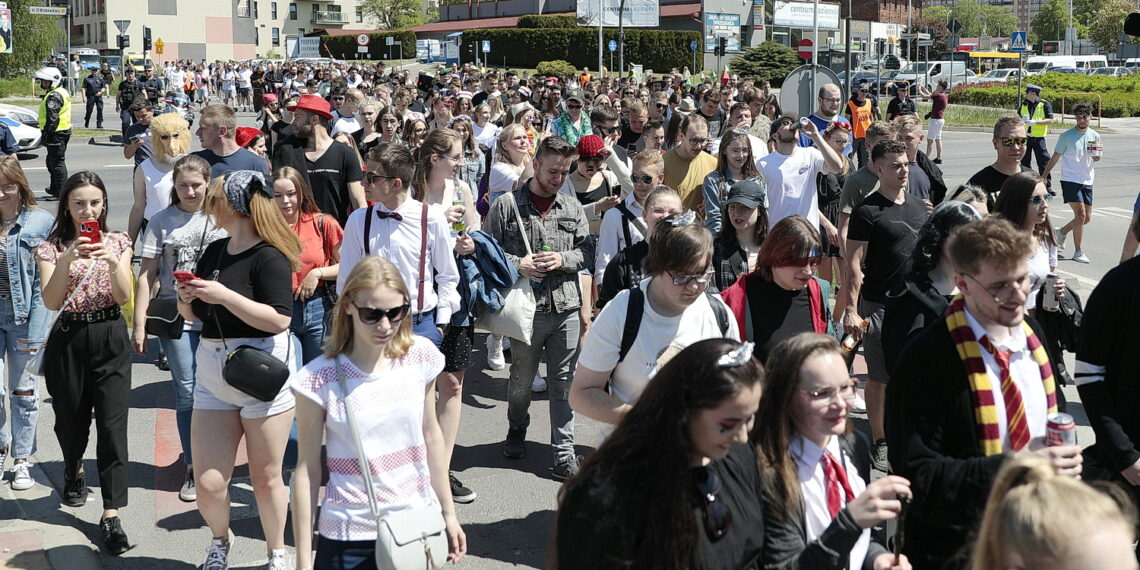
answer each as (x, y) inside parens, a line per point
(10, 168)
(190, 163)
(268, 221)
(1013, 201)
(64, 230)
(308, 203)
(370, 273)
(438, 142)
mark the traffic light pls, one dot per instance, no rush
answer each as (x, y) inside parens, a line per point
(124, 41)
(146, 39)
(721, 47)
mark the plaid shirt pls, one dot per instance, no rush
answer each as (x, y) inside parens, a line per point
(564, 229)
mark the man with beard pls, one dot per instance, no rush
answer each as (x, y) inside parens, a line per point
(217, 132)
(791, 171)
(332, 169)
(969, 391)
(880, 240)
(687, 164)
(830, 98)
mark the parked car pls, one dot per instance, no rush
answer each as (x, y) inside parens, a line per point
(1069, 70)
(27, 137)
(880, 84)
(1115, 71)
(21, 115)
(856, 77)
(1003, 74)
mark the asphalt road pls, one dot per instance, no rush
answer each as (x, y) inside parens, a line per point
(509, 523)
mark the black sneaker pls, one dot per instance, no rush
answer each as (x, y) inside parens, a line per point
(113, 536)
(879, 456)
(459, 492)
(515, 446)
(566, 468)
(162, 363)
(75, 491)
(937, 161)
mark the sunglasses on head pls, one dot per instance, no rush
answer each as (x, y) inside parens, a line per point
(1011, 141)
(372, 315)
(717, 516)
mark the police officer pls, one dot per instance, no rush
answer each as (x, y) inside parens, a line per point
(1037, 114)
(128, 89)
(152, 85)
(94, 88)
(55, 123)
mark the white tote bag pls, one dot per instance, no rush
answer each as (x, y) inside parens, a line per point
(516, 317)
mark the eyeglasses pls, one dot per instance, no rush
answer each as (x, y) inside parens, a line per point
(662, 106)
(830, 100)
(683, 280)
(845, 392)
(168, 137)
(641, 178)
(1005, 291)
(370, 177)
(698, 142)
(1038, 200)
(455, 158)
(10, 188)
(738, 151)
(717, 516)
(371, 315)
(1011, 141)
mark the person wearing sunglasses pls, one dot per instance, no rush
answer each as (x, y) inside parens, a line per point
(153, 180)
(818, 507)
(676, 485)
(1010, 144)
(641, 327)
(572, 124)
(1027, 208)
(373, 362)
(970, 391)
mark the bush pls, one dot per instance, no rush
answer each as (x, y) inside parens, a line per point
(533, 21)
(1118, 94)
(17, 87)
(768, 61)
(658, 50)
(344, 46)
(556, 68)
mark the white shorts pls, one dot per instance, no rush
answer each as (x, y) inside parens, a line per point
(211, 392)
(935, 131)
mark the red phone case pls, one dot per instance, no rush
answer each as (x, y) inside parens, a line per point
(91, 231)
(184, 276)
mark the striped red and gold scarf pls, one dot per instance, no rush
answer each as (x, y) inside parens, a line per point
(981, 386)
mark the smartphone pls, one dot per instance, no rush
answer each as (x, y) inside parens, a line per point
(90, 230)
(184, 276)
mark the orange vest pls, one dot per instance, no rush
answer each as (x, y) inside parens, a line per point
(860, 117)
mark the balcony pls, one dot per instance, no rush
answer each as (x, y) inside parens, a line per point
(327, 18)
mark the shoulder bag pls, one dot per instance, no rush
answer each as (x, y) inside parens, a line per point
(329, 288)
(516, 317)
(162, 317)
(35, 365)
(405, 540)
(251, 370)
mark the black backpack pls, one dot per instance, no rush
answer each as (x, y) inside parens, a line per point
(636, 309)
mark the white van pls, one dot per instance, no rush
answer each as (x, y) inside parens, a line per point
(1133, 64)
(930, 73)
(1038, 64)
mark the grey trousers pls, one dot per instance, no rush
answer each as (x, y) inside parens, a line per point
(555, 340)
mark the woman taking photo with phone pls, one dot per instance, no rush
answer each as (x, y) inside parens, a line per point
(86, 275)
(818, 508)
(241, 293)
(386, 376)
(23, 319)
(174, 241)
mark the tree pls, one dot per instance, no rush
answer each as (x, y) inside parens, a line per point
(394, 14)
(33, 39)
(1108, 23)
(980, 19)
(768, 61)
(939, 33)
(997, 20)
(1049, 24)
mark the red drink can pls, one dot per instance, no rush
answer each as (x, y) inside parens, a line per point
(1060, 429)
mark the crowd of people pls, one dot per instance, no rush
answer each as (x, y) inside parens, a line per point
(695, 268)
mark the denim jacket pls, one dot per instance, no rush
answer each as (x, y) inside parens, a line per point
(564, 230)
(472, 169)
(32, 227)
(481, 275)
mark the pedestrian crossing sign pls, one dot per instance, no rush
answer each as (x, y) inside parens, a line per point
(1017, 42)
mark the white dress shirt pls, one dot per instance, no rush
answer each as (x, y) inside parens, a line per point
(611, 236)
(809, 466)
(1026, 375)
(399, 242)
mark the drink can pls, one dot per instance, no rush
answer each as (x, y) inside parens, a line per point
(1049, 300)
(1095, 148)
(1060, 429)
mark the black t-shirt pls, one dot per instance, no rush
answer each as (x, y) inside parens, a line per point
(990, 179)
(918, 183)
(599, 526)
(243, 159)
(329, 177)
(261, 273)
(716, 122)
(776, 313)
(890, 231)
(899, 108)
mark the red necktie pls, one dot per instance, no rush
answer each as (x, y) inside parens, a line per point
(834, 477)
(1018, 427)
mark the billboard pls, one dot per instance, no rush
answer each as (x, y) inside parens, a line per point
(296, 46)
(6, 30)
(722, 25)
(799, 15)
(638, 13)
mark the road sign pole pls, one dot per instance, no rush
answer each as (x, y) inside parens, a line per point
(70, 79)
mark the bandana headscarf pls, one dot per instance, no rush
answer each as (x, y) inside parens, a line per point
(240, 185)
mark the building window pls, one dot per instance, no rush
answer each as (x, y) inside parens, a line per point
(334, 8)
(255, 11)
(300, 31)
(359, 15)
(102, 31)
(243, 8)
(292, 10)
(272, 10)
(276, 36)
(256, 37)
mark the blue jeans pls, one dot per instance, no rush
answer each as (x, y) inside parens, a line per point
(555, 338)
(423, 325)
(20, 433)
(308, 327)
(180, 355)
(345, 555)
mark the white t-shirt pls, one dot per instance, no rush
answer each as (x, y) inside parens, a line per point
(1044, 258)
(501, 180)
(244, 78)
(389, 410)
(759, 148)
(791, 184)
(487, 135)
(1076, 164)
(348, 124)
(656, 334)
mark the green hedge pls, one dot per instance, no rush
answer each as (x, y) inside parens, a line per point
(533, 21)
(654, 49)
(1119, 97)
(345, 46)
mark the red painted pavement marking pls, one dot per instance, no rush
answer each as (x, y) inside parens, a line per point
(22, 549)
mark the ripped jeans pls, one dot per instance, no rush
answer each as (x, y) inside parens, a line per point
(20, 410)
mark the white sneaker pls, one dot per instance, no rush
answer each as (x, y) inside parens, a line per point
(22, 477)
(188, 493)
(539, 384)
(1061, 238)
(1080, 257)
(218, 553)
(495, 358)
(858, 405)
(279, 560)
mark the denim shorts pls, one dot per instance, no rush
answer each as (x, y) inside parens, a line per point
(1076, 192)
(212, 392)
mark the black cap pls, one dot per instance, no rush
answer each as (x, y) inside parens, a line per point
(750, 193)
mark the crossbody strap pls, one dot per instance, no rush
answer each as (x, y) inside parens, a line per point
(423, 258)
(368, 230)
(361, 456)
(71, 296)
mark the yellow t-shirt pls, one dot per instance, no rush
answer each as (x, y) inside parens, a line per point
(687, 177)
